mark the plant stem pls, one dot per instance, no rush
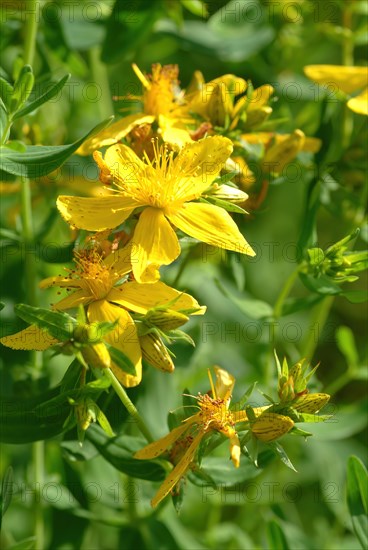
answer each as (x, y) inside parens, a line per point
(285, 291)
(339, 383)
(38, 448)
(33, 13)
(100, 76)
(28, 242)
(317, 323)
(277, 313)
(347, 60)
(38, 451)
(123, 396)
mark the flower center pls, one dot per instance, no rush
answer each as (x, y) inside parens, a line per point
(97, 278)
(159, 97)
(215, 413)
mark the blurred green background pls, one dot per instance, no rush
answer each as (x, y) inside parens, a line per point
(87, 503)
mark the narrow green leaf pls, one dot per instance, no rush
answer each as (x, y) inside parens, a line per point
(280, 451)
(122, 360)
(52, 92)
(322, 285)
(255, 309)
(25, 544)
(346, 344)
(6, 492)
(40, 160)
(226, 205)
(59, 325)
(118, 451)
(357, 496)
(276, 537)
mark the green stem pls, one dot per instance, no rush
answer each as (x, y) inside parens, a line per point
(123, 396)
(28, 242)
(182, 266)
(33, 11)
(100, 76)
(318, 320)
(339, 383)
(347, 60)
(277, 313)
(286, 289)
(38, 450)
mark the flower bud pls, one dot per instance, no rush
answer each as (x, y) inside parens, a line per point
(271, 426)
(96, 356)
(166, 319)
(311, 403)
(155, 352)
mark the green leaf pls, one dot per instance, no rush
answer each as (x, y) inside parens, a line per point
(59, 325)
(25, 544)
(316, 256)
(280, 451)
(118, 451)
(40, 160)
(226, 205)
(196, 7)
(321, 285)
(222, 470)
(6, 92)
(356, 296)
(52, 92)
(346, 344)
(292, 305)
(121, 360)
(128, 27)
(357, 495)
(276, 537)
(255, 309)
(6, 492)
(19, 422)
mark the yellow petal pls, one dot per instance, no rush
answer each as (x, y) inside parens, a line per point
(126, 168)
(154, 244)
(141, 297)
(199, 163)
(260, 97)
(155, 449)
(31, 338)
(224, 384)
(270, 426)
(124, 338)
(95, 214)
(347, 79)
(178, 471)
(60, 281)
(119, 261)
(114, 133)
(176, 137)
(359, 104)
(212, 225)
(75, 299)
(235, 449)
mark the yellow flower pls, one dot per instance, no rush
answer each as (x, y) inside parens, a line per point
(347, 79)
(96, 283)
(218, 102)
(214, 416)
(162, 102)
(168, 189)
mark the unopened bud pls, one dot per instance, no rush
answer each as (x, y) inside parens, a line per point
(155, 353)
(166, 319)
(97, 356)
